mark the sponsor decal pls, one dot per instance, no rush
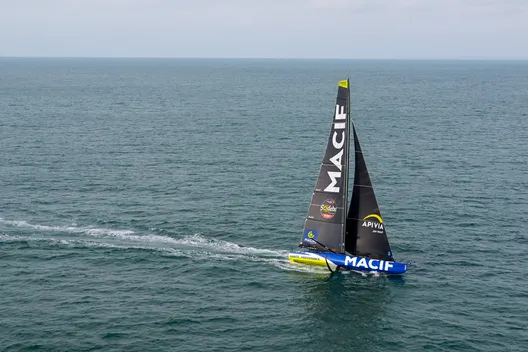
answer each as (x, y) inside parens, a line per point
(338, 142)
(366, 263)
(310, 235)
(375, 216)
(328, 209)
(373, 221)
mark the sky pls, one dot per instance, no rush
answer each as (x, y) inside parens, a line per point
(361, 29)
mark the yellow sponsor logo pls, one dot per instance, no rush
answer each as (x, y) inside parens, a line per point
(375, 216)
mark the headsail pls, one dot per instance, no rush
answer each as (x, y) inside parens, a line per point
(366, 234)
(325, 222)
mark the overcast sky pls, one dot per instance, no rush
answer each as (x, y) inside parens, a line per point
(491, 29)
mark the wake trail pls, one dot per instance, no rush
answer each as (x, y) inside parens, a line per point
(194, 246)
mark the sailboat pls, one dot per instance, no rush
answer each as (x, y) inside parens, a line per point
(332, 237)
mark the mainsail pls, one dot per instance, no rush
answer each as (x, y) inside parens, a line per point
(325, 222)
(365, 230)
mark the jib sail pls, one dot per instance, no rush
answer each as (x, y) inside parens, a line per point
(365, 230)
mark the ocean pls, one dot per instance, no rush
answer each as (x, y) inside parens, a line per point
(149, 205)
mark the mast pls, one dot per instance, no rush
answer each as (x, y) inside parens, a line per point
(347, 161)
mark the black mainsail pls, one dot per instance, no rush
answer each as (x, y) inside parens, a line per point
(326, 219)
(365, 230)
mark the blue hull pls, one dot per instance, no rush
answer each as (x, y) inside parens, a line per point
(347, 262)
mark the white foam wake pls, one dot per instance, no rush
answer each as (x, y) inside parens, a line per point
(192, 246)
(201, 241)
(69, 229)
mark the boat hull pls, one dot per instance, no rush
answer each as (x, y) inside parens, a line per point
(347, 262)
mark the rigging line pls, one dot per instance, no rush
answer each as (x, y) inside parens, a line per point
(322, 245)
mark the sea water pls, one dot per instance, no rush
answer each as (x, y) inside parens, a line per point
(149, 205)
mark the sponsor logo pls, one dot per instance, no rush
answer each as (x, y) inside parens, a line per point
(375, 216)
(328, 209)
(310, 235)
(338, 141)
(374, 222)
(366, 263)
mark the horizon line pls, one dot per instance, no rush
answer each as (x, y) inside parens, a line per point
(274, 58)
